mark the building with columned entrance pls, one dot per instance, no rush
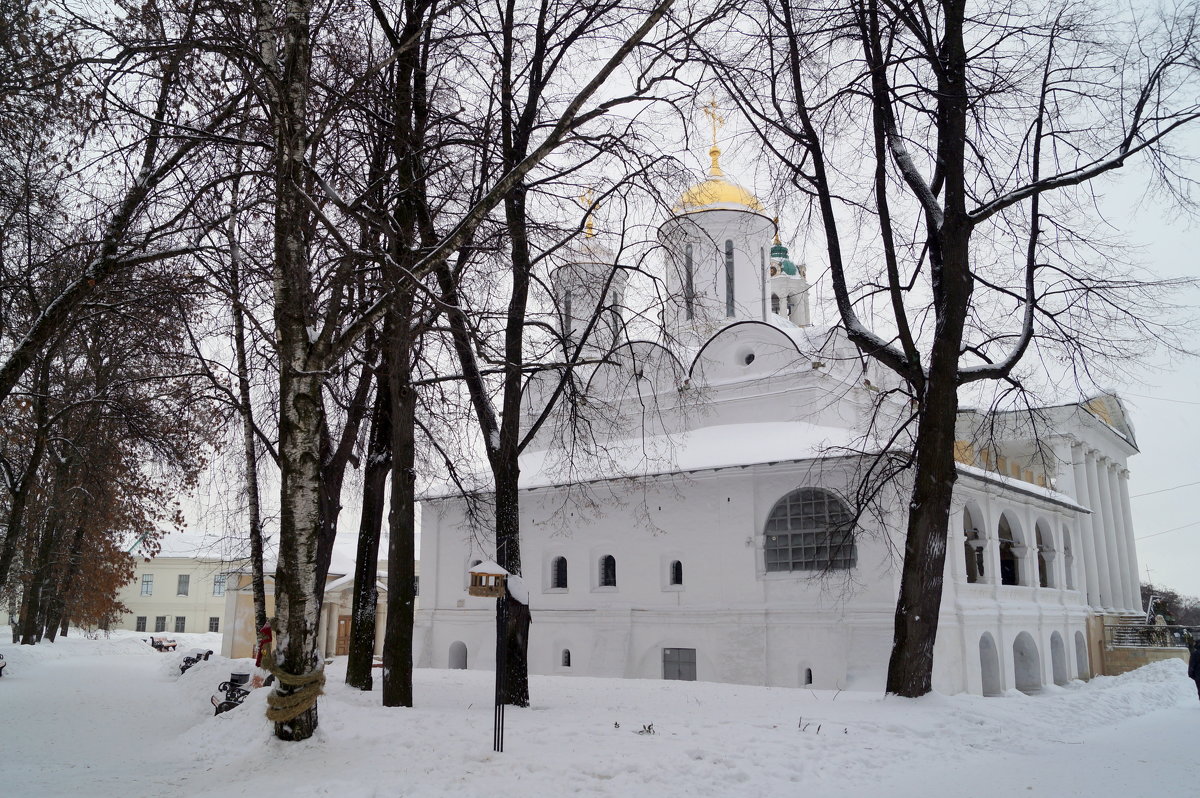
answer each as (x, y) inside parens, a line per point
(727, 527)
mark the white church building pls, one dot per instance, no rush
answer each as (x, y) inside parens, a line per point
(711, 535)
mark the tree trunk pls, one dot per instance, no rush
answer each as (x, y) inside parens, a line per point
(397, 646)
(246, 410)
(333, 471)
(37, 589)
(19, 498)
(56, 615)
(297, 593)
(301, 365)
(366, 595)
(508, 555)
(910, 670)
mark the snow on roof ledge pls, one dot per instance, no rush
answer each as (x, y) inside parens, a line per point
(720, 446)
(1022, 486)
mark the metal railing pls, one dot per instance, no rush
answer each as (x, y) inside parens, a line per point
(1143, 635)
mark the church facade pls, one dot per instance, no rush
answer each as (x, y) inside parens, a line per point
(730, 527)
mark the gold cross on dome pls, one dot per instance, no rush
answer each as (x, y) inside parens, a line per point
(710, 110)
(586, 199)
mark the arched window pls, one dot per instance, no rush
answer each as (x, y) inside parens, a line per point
(558, 572)
(775, 303)
(1010, 568)
(728, 277)
(608, 571)
(458, 655)
(974, 543)
(808, 677)
(615, 318)
(676, 572)
(566, 658)
(809, 530)
(689, 283)
(1068, 559)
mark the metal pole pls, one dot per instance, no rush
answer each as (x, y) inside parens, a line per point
(498, 717)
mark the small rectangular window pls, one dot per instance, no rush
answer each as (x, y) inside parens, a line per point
(184, 580)
(160, 623)
(147, 584)
(219, 584)
(141, 623)
(179, 623)
(214, 624)
(679, 664)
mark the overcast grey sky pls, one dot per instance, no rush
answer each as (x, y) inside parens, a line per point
(1165, 405)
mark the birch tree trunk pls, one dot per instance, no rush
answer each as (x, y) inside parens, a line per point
(301, 367)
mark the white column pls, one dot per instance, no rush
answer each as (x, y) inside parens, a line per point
(1033, 569)
(1114, 500)
(1131, 560)
(1084, 541)
(1070, 581)
(1110, 535)
(956, 562)
(1098, 539)
(991, 547)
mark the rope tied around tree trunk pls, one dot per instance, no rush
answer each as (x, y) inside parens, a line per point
(306, 688)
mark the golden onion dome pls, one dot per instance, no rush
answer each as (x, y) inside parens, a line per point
(716, 192)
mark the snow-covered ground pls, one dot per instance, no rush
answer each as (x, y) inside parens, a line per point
(114, 718)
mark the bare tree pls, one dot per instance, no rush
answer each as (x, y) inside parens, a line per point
(136, 73)
(315, 324)
(945, 151)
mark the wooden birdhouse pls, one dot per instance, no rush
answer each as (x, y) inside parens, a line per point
(487, 580)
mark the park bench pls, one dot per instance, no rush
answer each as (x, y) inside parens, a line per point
(192, 657)
(162, 643)
(235, 693)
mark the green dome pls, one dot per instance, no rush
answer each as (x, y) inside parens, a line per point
(779, 251)
(788, 267)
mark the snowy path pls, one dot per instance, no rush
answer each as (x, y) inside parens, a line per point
(111, 719)
(1151, 756)
(100, 722)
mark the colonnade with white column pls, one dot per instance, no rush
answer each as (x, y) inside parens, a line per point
(977, 559)
(1100, 484)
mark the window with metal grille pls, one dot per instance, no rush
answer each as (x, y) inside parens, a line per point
(141, 624)
(809, 530)
(214, 624)
(566, 657)
(184, 582)
(147, 584)
(180, 622)
(679, 664)
(558, 573)
(160, 623)
(608, 571)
